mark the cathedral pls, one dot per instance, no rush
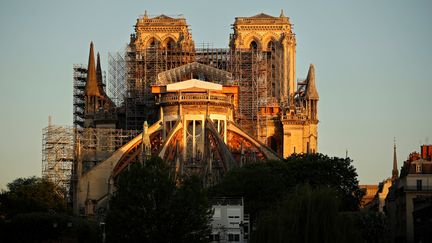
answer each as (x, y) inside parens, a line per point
(202, 110)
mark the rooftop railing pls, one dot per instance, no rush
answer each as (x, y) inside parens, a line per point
(197, 97)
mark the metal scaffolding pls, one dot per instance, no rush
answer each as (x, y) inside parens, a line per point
(131, 74)
(116, 83)
(60, 150)
(79, 84)
(142, 68)
(58, 155)
(97, 144)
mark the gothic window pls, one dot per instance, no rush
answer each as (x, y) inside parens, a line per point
(253, 46)
(194, 139)
(189, 139)
(153, 43)
(170, 44)
(271, 46)
(271, 62)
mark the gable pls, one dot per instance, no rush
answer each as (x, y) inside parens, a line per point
(193, 83)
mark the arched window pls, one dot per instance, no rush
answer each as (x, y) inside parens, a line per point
(253, 46)
(153, 43)
(271, 46)
(170, 44)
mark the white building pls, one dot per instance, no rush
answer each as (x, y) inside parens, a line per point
(229, 223)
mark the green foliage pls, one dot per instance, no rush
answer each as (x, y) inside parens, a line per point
(306, 215)
(48, 227)
(32, 210)
(374, 226)
(261, 185)
(264, 184)
(319, 170)
(25, 195)
(150, 206)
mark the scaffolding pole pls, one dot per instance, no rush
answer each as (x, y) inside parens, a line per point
(79, 84)
(116, 77)
(58, 155)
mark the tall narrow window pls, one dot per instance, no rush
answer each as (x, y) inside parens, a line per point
(419, 185)
(253, 46)
(419, 168)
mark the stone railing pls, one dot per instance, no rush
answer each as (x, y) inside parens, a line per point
(195, 97)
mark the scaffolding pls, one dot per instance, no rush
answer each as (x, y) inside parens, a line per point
(58, 155)
(215, 57)
(142, 68)
(116, 81)
(79, 84)
(97, 144)
(132, 73)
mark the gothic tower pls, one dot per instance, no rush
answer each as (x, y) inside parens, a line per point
(96, 99)
(284, 112)
(272, 35)
(300, 121)
(161, 32)
(159, 43)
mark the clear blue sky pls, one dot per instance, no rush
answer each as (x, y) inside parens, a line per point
(373, 63)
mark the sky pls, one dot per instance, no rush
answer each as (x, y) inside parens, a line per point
(372, 59)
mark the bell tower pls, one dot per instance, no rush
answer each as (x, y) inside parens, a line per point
(268, 34)
(161, 32)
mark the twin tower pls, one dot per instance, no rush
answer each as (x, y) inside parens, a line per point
(271, 105)
(202, 110)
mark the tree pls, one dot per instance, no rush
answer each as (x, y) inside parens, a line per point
(25, 195)
(34, 205)
(150, 206)
(374, 226)
(306, 215)
(48, 227)
(260, 184)
(319, 170)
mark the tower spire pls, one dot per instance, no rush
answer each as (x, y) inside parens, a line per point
(311, 90)
(282, 15)
(98, 70)
(395, 172)
(92, 88)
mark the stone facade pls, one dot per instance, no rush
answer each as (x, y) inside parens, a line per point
(263, 33)
(201, 111)
(414, 182)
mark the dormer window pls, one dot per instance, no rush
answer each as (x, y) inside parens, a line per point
(418, 168)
